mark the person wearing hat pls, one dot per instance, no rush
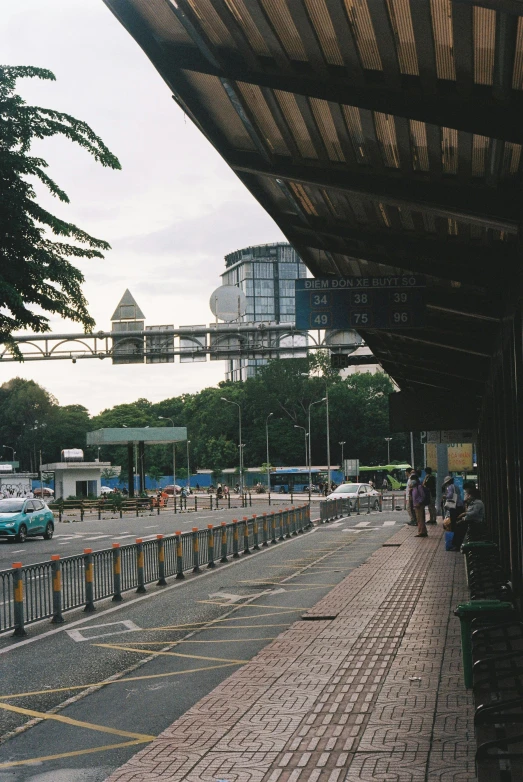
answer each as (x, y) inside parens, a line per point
(453, 501)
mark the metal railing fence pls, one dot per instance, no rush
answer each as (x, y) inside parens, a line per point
(44, 590)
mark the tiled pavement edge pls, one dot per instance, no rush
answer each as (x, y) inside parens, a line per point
(375, 694)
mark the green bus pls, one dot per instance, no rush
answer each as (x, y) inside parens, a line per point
(394, 473)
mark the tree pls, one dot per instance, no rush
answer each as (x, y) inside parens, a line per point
(36, 276)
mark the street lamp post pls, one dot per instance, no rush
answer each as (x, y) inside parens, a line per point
(165, 418)
(342, 443)
(240, 444)
(306, 434)
(188, 468)
(11, 449)
(388, 439)
(319, 401)
(268, 465)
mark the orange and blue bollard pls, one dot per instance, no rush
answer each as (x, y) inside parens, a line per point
(235, 553)
(89, 581)
(265, 531)
(246, 549)
(256, 545)
(224, 542)
(273, 528)
(139, 566)
(179, 556)
(117, 573)
(57, 590)
(18, 600)
(161, 561)
(195, 551)
(210, 545)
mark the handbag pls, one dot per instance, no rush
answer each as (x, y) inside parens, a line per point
(447, 524)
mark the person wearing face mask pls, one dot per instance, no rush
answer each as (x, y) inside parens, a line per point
(473, 518)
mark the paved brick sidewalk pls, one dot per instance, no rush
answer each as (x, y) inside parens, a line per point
(370, 690)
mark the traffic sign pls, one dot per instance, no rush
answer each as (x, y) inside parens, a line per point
(360, 303)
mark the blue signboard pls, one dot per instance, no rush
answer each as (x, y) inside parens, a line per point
(395, 302)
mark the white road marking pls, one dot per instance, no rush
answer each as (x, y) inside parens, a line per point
(130, 535)
(18, 551)
(362, 524)
(78, 635)
(389, 523)
(152, 526)
(98, 537)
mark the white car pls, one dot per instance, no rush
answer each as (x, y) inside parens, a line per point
(105, 490)
(368, 497)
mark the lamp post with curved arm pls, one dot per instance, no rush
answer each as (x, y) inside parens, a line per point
(240, 444)
(268, 465)
(318, 401)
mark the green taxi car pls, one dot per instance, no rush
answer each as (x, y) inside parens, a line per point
(21, 518)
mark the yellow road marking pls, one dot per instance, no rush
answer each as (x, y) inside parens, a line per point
(77, 723)
(173, 654)
(296, 567)
(214, 640)
(71, 754)
(279, 583)
(115, 681)
(220, 627)
(287, 609)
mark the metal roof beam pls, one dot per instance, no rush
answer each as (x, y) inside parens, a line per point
(476, 111)
(469, 204)
(480, 277)
(425, 245)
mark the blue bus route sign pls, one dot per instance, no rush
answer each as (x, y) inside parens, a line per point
(360, 303)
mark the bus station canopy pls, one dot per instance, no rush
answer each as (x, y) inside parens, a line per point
(130, 434)
(383, 137)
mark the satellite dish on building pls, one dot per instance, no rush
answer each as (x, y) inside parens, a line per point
(228, 303)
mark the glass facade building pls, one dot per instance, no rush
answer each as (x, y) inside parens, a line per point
(266, 275)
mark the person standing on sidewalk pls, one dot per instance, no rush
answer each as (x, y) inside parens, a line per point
(430, 484)
(410, 484)
(418, 501)
(453, 501)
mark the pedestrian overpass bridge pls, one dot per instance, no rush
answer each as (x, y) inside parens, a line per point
(384, 138)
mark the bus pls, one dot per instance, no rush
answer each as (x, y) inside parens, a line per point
(293, 479)
(394, 473)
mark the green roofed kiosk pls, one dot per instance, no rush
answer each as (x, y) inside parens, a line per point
(142, 436)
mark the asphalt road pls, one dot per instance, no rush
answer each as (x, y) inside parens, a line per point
(72, 536)
(116, 678)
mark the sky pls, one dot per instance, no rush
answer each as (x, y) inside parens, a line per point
(170, 215)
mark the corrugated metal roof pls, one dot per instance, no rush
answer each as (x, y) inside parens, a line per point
(324, 29)
(484, 29)
(220, 108)
(258, 105)
(296, 123)
(325, 123)
(162, 21)
(363, 32)
(239, 10)
(212, 23)
(443, 38)
(283, 24)
(401, 21)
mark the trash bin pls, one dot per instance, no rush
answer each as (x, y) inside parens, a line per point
(466, 612)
